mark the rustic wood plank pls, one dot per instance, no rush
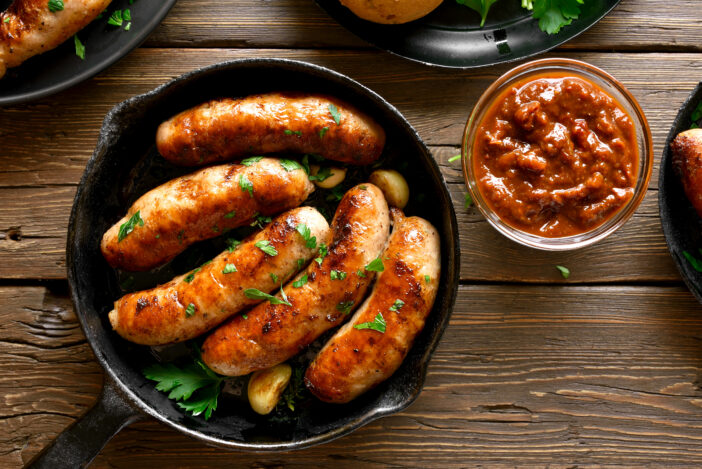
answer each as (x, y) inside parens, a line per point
(524, 375)
(634, 24)
(46, 144)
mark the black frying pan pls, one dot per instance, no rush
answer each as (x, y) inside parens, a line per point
(117, 174)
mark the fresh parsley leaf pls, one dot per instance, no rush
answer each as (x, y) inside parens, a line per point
(398, 304)
(336, 115)
(232, 244)
(274, 277)
(128, 226)
(337, 193)
(306, 233)
(284, 296)
(80, 48)
(337, 275)
(260, 220)
(231, 214)
(190, 310)
(360, 273)
(481, 6)
(294, 390)
(251, 160)
(299, 283)
(6, 20)
(363, 187)
(323, 251)
(204, 401)
(300, 263)
(244, 316)
(376, 265)
(290, 165)
(181, 383)
(55, 5)
(291, 132)
(553, 14)
(256, 294)
(116, 18)
(127, 15)
(323, 131)
(128, 26)
(191, 275)
(565, 272)
(454, 158)
(321, 175)
(378, 324)
(245, 184)
(229, 268)
(694, 262)
(265, 246)
(469, 201)
(344, 307)
(427, 278)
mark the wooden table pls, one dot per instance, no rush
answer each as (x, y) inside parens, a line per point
(604, 368)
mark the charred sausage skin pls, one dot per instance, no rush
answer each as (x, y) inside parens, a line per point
(270, 123)
(687, 161)
(356, 360)
(200, 206)
(216, 290)
(29, 28)
(273, 333)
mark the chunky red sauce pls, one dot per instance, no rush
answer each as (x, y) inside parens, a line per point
(555, 155)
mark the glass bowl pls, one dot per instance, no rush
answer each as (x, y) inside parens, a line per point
(615, 90)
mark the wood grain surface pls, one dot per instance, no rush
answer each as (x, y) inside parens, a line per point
(602, 369)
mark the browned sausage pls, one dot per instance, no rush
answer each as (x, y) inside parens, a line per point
(29, 27)
(687, 161)
(357, 359)
(164, 314)
(199, 206)
(273, 333)
(270, 123)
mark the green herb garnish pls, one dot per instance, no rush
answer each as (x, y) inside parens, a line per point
(323, 132)
(336, 115)
(344, 307)
(360, 273)
(190, 310)
(245, 184)
(232, 244)
(116, 18)
(291, 132)
(397, 305)
(274, 277)
(55, 5)
(299, 283)
(251, 160)
(454, 158)
(565, 272)
(323, 251)
(306, 233)
(229, 268)
(80, 48)
(427, 278)
(469, 201)
(290, 165)
(376, 265)
(128, 227)
(231, 214)
(256, 294)
(260, 220)
(266, 247)
(694, 262)
(337, 275)
(378, 324)
(321, 175)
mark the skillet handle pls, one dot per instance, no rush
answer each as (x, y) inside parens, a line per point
(78, 444)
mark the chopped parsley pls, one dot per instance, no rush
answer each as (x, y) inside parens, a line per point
(345, 306)
(244, 316)
(190, 310)
(376, 265)
(229, 268)
(337, 275)
(266, 247)
(469, 200)
(274, 277)
(360, 273)
(128, 226)
(195, 386)
(116, 18)
(260, 220)
(55, 5)
(299, 283)
(251, 160)
(565, 272)
(323, 251)
(323, 132)
(245, 184)
(231, 214)
(321, 175)
(454, 158)
(427, 278)
(232, 244)
(80, 48)
(290, 165)
(306, 233)
(378, 324)
(336, 115)
(337, 193)
(191, 276)
(6, 20)
(300, 263)
(256, 294)
(397, 305)
(291, 132)
(694, 262)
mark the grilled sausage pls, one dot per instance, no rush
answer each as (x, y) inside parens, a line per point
(355, 360)
(28, 27)
(687, 161)
(270, 123)
(273, 333)
(200, 206)
(216, 290)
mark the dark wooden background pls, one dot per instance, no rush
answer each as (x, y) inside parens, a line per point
(601, 369)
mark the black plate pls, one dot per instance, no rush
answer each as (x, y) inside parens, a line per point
(114, 177)
(451, 36)
(682, 226)
(60, 68)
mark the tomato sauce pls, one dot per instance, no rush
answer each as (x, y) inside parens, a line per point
(555, 155)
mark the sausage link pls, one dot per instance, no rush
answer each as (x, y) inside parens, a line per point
(216, 290)
(273, 333)
(199, 206)
(270, 123)
(356, 360)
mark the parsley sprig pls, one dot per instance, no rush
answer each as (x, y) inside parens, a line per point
(129, 225)
(378, 324)
(552, 14)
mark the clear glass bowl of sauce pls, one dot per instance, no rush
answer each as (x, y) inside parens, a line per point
(557, 154)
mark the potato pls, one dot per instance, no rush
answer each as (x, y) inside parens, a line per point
(393, 185)
(266, 387)
(337, 177)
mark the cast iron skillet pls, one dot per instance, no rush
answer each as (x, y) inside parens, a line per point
(125, 151)
(60, 68)
(682, 226)
(451, 35)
